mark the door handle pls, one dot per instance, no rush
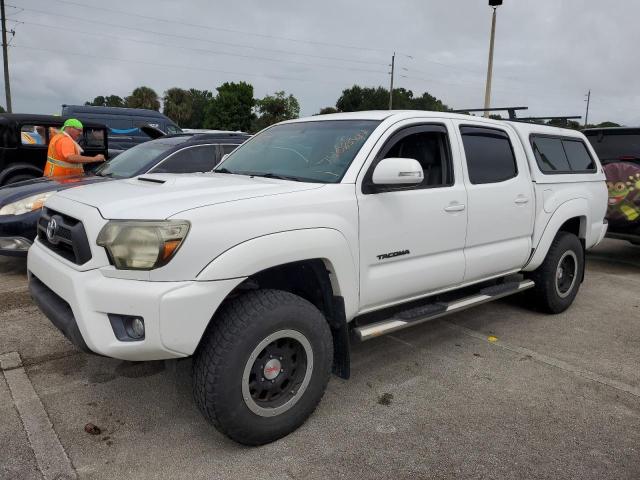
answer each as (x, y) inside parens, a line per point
(456, 207)
(521, 200)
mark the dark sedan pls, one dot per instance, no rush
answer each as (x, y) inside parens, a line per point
(20, 203)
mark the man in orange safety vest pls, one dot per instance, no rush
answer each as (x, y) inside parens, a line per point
(64, 156)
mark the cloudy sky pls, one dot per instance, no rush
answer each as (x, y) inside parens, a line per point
(548, 54)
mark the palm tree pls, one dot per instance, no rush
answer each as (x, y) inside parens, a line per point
(178, 105)
(143, 97)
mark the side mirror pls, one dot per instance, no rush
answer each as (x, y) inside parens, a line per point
(398, 171)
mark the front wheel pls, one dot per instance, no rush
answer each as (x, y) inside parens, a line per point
(558, 278)
(263, 366)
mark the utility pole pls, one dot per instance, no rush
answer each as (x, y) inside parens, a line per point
(487, 93)
(7, 87)
(393, 63)
(586, 116)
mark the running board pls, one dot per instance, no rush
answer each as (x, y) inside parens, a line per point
(415, 316)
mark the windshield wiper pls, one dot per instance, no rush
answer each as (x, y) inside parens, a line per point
(274, 175)
(268, 175)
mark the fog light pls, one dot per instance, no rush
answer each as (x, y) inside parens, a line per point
(136, 328)
(127, 328)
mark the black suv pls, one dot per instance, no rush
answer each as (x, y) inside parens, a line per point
(24, 141)
(619, 151)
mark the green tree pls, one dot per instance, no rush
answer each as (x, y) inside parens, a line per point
(275, 108)
(358, 98)
(178, 105)
(608, 124)
(327, 110)
(565, 123)
(200, 100)
(143, 97)
(231, 108)
(428, 102)
(2, 110)
(114, 101)
(108, 101)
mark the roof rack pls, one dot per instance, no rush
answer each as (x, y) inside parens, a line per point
(511, 110)
(564, 119)
(513, 118)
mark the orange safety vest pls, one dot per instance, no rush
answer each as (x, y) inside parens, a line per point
(58, 167)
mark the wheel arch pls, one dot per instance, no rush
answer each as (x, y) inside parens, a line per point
(19, 169)
(571, 216)
(315, 264)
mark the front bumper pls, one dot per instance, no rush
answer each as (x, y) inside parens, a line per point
(17, 233)
(175, 314)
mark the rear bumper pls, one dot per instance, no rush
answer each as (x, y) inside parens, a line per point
(601, 233)
(633, 237)
(78, 303)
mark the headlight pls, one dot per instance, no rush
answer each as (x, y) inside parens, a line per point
(26, 205)
(142, 245)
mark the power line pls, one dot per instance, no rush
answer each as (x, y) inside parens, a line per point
(206, 40)
(174, 66)
(454, 67)
(202, 50)
(223, 29)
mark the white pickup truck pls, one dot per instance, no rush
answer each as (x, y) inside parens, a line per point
(314, 233)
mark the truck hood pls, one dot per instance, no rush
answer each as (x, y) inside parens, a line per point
(159, 196)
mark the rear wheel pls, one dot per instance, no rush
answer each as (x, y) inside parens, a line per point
(558, 278)
(263, 366)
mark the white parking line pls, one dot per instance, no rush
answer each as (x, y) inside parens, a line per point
(554, 362)
(51, 458)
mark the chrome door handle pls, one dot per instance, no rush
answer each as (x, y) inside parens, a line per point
(458, 207)
(522, 200)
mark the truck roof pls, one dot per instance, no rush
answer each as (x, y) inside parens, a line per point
(398, 115)
(70, 110)
(22, 118)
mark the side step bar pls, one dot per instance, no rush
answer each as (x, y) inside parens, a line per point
(415, 316)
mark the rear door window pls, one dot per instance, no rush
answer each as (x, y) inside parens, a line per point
(200, 158)
(490, 157)
(615, 145)
(228, 148)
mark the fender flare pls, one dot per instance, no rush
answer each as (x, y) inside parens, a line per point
(577, 207)
(261, 253)
(18, 167)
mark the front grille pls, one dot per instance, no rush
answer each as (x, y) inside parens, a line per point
(68, 239)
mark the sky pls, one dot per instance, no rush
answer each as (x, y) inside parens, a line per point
(548, 53)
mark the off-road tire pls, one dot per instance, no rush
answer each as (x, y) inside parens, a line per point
(547, 295)
(221, 360)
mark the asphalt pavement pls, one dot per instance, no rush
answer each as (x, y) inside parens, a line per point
(498, 391)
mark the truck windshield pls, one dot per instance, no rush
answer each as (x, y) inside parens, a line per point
(318, 152)
(612, 146)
